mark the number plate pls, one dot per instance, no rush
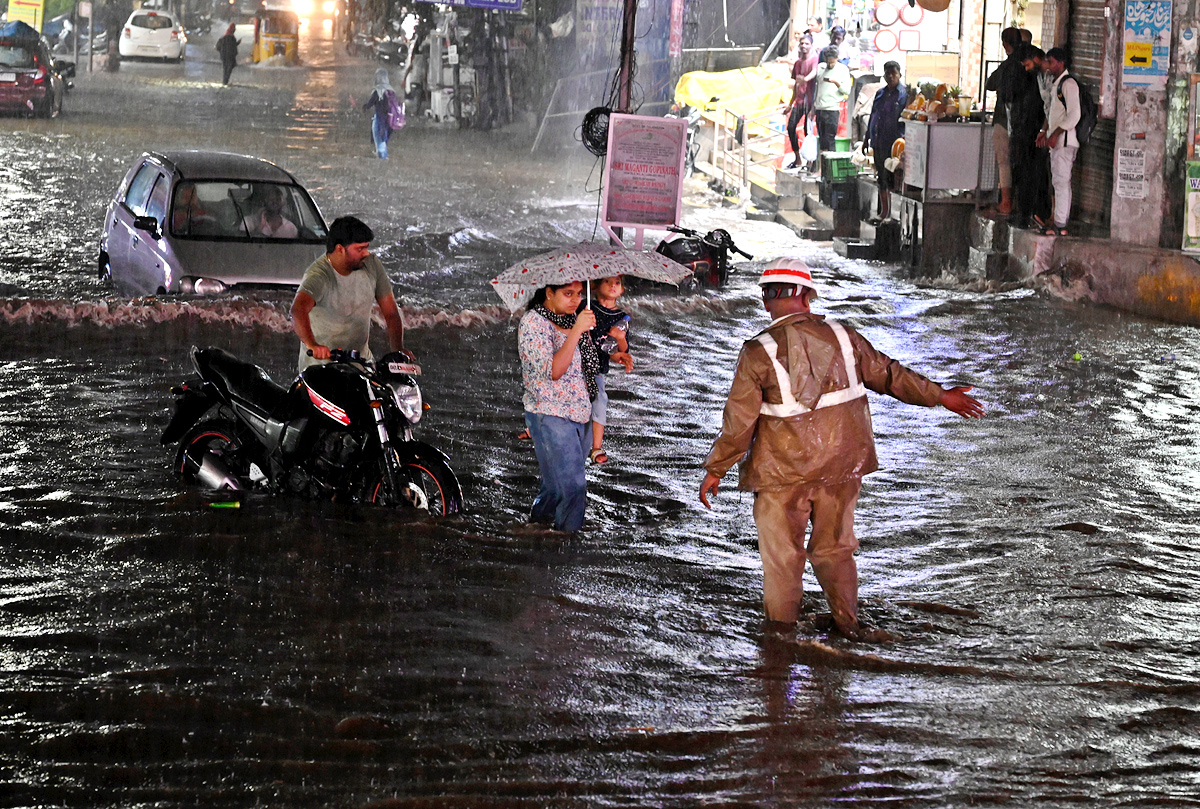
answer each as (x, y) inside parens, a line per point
(8, 76)
(410, 368)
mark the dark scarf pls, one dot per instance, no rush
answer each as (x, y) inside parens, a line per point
(589, 356)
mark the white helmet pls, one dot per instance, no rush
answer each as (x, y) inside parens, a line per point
(788, 271)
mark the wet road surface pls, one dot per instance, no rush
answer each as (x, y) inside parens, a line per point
(1036, 568)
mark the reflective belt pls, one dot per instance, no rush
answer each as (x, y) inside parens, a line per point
(789, 406)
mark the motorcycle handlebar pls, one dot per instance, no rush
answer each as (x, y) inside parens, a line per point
(341, 355)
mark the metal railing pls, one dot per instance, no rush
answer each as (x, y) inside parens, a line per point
(740, 140)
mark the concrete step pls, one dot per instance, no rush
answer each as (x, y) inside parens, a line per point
(855, 248)
(790, 203)
(795, 185)
(839, 222)
(988, 264)
(990, 232)
(885, 235)
(763, 197)
(1032, 251)
(804, 225)
(756, 214)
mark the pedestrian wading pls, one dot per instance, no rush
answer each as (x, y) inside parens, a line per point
(797, 417)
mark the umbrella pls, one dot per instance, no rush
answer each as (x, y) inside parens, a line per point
(582, 262)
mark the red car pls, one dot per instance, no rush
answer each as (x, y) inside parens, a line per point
(31, 82)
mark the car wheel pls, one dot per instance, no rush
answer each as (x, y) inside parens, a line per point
(104, 268)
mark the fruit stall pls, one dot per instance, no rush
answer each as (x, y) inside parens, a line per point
(949, 170)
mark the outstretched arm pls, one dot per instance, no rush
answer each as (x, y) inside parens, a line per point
(956, 400)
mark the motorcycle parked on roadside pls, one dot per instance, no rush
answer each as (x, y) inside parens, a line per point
(341, 431)
(707, 255)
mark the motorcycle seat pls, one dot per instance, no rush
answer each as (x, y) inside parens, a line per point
(240, 380)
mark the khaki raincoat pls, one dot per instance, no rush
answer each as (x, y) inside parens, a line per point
(821, 433)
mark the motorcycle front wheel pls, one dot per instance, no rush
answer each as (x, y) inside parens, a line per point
(426, 484)
(217, 436)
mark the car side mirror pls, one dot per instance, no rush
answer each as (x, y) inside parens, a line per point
(148, 224)
(64, 69)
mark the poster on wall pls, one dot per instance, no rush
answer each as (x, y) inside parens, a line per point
(1131, 173)
(1146, 46)
(1191, 214)
(643, 175)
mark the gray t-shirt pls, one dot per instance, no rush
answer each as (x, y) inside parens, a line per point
(342, 315)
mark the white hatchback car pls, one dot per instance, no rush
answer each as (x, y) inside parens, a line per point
(152, 34)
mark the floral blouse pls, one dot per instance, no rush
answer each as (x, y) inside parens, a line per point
(565, 397)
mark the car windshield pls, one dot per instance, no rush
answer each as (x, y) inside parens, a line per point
(16, 56)
(154, 22)
(245, 211)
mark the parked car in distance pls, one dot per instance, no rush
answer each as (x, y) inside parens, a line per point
(31, 82)
(152, 35)
(201, 222)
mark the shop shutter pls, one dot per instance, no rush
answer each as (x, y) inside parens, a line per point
(1092, 179)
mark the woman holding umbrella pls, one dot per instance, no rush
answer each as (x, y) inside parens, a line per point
(559, 364)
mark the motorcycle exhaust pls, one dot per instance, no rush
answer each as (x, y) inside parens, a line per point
(213, 474)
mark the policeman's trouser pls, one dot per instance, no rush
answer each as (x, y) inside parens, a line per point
(781, 516)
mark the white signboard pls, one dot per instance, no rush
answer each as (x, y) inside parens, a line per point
(1131, 173)
(643, 175)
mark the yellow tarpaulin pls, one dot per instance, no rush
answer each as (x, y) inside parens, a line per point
(743, 92)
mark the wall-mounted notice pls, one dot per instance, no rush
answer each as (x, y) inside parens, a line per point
(643, 178)
(1131, 173)
(1147, 43)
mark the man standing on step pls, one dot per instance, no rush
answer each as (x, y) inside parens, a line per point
(1062, 116)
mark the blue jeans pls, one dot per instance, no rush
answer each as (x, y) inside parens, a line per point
(381, 133)
(562, 447)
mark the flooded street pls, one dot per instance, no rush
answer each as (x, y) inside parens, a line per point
(1037, 568)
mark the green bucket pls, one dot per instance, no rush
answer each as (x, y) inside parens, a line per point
(841, 144)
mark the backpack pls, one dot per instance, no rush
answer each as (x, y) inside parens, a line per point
(1088, 112)
(395, 115)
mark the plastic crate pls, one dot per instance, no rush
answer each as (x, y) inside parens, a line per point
(838, 166)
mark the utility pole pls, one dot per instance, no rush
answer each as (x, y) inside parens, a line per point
(625, 81)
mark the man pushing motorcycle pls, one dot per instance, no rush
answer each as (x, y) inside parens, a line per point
(332, 308)
(798, 413)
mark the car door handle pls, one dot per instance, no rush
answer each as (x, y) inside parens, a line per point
(133, 241)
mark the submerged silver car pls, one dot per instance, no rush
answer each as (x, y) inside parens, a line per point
(202, 222)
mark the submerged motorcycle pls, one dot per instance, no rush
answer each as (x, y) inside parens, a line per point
(342, 431)
(707, 255)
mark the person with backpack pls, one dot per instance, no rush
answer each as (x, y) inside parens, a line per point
(389, 115)
(1058, 135)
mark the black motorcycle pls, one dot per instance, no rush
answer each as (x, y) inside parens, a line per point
(341, 431)
(707, 255)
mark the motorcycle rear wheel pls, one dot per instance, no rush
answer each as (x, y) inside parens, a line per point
(218, 436)
(427, 485)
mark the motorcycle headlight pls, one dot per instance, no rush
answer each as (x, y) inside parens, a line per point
(408, 401)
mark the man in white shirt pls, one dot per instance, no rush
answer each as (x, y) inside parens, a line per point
(833, 83)
(1062, 115)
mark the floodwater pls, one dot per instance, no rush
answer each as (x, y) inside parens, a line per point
(1036, 568)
